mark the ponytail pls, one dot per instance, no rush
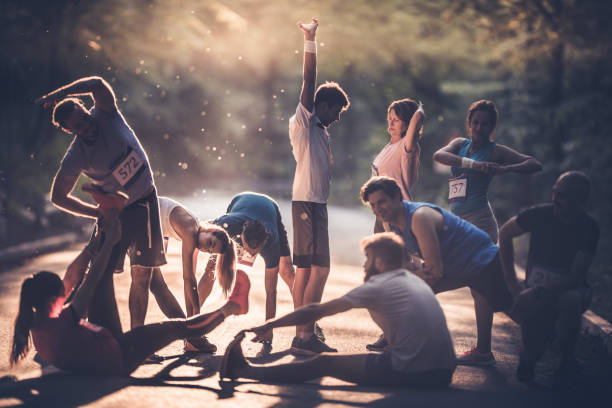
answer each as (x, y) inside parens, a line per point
(35, 292)
(226, 262)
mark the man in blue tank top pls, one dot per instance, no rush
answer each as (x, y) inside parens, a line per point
(444, 250)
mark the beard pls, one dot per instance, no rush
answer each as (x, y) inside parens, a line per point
(371, 271)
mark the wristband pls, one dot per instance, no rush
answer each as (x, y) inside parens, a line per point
(467, 163)
(310, 46)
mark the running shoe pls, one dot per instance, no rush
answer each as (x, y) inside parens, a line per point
(525, 372)
(310, 347)
(476, 358)
(240, 293)
(199, 345)
(318, 331)
(154, 359)
(232, 359)
(379, 345)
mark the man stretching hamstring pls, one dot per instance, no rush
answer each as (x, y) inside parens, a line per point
(67, 341)
(402, 304)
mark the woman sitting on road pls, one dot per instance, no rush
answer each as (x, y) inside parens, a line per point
(63, 338)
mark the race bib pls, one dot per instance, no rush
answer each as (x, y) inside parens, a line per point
(457, 189)
(543, 277)
(128, 168)
(243, 257)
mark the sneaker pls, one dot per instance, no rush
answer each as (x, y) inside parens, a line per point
(379, 345)
(199, 345)
(476, 358)
(318, 331)
(233, 358)
(154, 359)
(310, 347)
(525, 372)
(240, 293)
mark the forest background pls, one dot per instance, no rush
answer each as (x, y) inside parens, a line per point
(209, 86)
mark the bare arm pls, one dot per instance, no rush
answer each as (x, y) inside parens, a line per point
(507, 232)
(425, 225)
(511, 161)
(448, 155)
(186, 227)
(304, 315)
(310, 67)
(111, 228)
(97, 87)
(61, 197)
(412, 133)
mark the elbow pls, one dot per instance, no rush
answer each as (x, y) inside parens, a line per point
(437, 156)
(537, 166)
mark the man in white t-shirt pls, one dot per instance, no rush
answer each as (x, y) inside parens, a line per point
(312, 153)
(421, 350)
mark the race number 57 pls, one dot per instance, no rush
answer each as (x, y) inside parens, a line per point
(457, 189)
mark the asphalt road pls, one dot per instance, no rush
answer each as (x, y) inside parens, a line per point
(185, 381)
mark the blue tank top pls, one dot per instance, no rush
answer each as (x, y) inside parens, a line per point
(477, 182)
(465, 249)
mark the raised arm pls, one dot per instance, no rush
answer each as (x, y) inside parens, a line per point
(510, 160)
(96, 87)
(303, 315)
(414, 127)
(111, 228)
(60, 197)
(310, 64)
(507, 232)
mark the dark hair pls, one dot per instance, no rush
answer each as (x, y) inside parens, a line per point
(386, 245)
(380, 183)
(36, 292)
(226, 262)
(332, 94)
(484, 105)
(580, 185)
(63, 110)
(404, 109)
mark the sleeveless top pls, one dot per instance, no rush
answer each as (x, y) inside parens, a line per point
(477, 182)
(166, 205)
(465, 249)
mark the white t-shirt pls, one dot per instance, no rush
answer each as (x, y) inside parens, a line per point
(402, 166)
(166, 205)
(312, 153)
(407, 311)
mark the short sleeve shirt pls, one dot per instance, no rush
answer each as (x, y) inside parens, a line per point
(553, 244)
(252, 206)
(114, 143)
(407, 311)
(401, 165)
(312, 153)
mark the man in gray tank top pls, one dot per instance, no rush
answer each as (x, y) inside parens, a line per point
(106, 150)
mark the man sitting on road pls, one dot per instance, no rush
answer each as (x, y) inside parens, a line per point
(563, 240)
(451, 253)
(401, 304)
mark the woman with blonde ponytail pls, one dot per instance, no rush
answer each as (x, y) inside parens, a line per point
(63, 338)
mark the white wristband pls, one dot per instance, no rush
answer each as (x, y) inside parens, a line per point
(310, 46)
(467, 163)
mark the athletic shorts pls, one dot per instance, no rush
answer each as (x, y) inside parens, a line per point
(310, 236)
(141, 235)
(380, 371)
(489, 282)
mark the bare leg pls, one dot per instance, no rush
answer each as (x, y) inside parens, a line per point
(103, 307)
(165, 299)
(139, 295)
(140, 342)
(314, 289)
(484, 322)
(302, 276)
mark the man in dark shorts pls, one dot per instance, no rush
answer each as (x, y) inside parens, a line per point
(310, 142)
(562, 244)
(254, 222)
(400, 303)
(107, 151)
(444, 250)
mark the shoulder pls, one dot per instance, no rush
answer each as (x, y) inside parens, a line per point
(534, 215)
